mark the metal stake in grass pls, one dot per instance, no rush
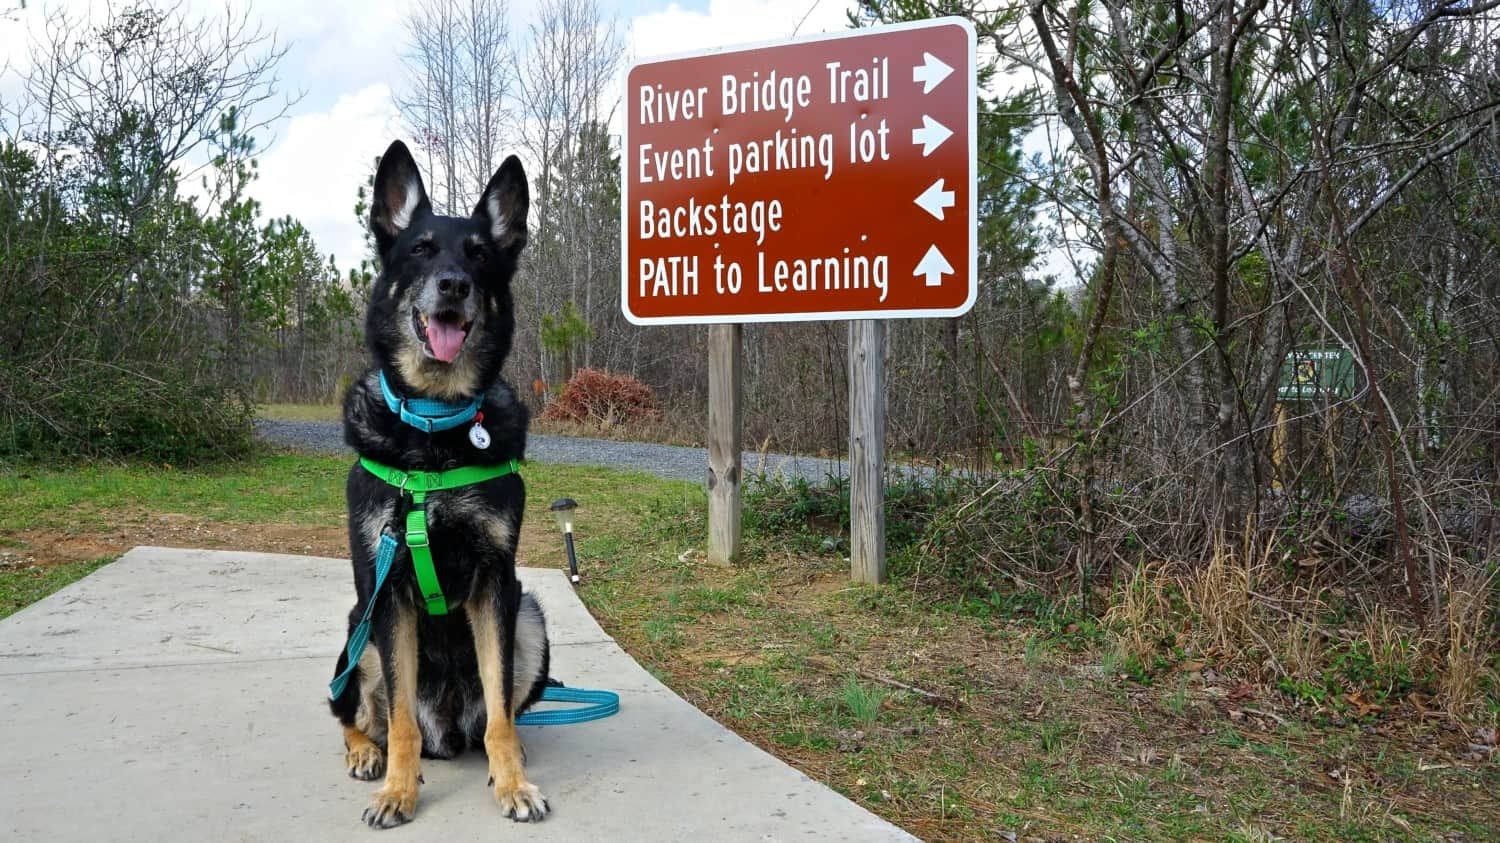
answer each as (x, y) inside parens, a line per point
(562, 510)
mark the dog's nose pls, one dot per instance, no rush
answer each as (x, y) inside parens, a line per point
(457, 288)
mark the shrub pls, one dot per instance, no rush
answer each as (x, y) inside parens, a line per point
(603, 399)
(90, 410)
(814, 517)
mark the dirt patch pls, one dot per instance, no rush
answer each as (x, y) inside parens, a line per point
(47, 547)
(55, 547)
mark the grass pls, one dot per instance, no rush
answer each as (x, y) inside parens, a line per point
(863, 702)
(1023, 719)
(280, 488)
(300, 412)
(1028, 722)
(21, 586)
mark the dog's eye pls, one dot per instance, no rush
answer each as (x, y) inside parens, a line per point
(475, 252)
(423, 249)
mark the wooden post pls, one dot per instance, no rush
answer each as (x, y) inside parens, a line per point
(1330, 452)
(724, 471)
(867, 450)
(1278, 447)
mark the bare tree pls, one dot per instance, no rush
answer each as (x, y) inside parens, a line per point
(459, 73)
(563, 82)
(1236, 151)
(144, 89)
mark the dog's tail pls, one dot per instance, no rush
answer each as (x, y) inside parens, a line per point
(533, 652)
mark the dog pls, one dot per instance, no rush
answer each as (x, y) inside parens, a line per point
(439, 326)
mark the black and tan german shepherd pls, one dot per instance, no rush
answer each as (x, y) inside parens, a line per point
(439, 325)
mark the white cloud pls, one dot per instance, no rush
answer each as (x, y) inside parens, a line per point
(318, 163)
(344, 47)
(731, 22)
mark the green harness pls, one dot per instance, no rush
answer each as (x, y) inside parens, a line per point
(418, 484)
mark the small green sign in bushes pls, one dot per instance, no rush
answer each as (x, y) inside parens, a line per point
(1318, 373)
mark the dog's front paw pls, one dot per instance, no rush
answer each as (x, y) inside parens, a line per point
(523, 803)
(392, 806)
(365, 762)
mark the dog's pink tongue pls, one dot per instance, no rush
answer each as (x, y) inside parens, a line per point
(445, 339)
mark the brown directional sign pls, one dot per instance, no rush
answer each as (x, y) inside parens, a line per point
(824, 178)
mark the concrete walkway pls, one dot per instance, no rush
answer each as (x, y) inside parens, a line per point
(179, 695)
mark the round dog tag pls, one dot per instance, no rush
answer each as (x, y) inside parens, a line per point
(479, 437)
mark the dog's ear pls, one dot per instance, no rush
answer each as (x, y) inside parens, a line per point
(503, 205)
(399, 195)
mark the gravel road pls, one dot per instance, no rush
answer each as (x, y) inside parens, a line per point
(669, 461)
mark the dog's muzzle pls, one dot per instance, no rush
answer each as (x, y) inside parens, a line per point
(444, 317)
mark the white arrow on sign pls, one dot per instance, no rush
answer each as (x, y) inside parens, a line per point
(930, 72)
(934, 266)
(931, 135)
(934, 199)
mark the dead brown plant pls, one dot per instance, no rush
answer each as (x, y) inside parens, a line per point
(1470, 642)
(1250, 620)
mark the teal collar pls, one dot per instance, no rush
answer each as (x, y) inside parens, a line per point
(426, 414)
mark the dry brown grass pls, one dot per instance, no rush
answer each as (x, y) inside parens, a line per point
(1394, 642)
(1299, 651)
(1141, 614)
(1469, 639)
(1222, 593)
(1248, 619)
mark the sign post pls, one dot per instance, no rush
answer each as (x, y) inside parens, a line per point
(831, 177)
(1310, 375)
(867, 451)
(725, 365)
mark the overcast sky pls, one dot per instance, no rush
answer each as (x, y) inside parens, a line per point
(344, 58)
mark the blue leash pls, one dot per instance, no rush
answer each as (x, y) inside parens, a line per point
(384, 555)
(601, 704)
